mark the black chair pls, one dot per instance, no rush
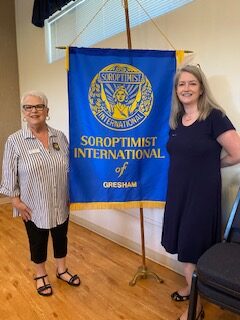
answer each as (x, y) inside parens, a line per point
(217, 276)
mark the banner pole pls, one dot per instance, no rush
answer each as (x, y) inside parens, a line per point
(128, 30)
(142, 238)
(142, 272)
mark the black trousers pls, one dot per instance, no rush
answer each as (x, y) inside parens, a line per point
(38, 241)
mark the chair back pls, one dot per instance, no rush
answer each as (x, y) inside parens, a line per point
(218, 273)
(232, 230)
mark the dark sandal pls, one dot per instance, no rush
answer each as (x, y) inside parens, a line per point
(71, 280)
(45, 286)
(178, 297)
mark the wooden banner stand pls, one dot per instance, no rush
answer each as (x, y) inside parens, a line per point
(143, 272)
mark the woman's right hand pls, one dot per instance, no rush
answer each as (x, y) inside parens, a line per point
(24, 211)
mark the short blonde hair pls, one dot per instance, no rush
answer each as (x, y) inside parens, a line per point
(34, 93)
(206, 100)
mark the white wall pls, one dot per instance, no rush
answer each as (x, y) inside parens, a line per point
(210, 29)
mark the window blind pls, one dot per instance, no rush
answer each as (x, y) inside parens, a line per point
(74, 19)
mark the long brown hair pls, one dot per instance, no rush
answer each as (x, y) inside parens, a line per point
(206, 100)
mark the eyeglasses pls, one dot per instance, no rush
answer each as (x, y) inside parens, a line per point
(38, 107)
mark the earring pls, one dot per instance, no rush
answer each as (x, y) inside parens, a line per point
(47, 118)
(24, 119)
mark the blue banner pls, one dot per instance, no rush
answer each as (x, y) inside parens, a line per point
(119, 105)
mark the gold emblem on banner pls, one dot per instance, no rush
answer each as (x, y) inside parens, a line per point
(120, 97)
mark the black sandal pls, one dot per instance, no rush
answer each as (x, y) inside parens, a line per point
(178, 297)
(45, 286)
(71, 280)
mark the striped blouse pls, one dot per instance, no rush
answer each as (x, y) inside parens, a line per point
(39, 176)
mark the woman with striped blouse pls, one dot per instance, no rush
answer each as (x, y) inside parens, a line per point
(35, 171)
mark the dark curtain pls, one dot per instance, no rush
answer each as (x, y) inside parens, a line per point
(43, 9)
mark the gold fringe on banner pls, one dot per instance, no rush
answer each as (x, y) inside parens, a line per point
(116, 205)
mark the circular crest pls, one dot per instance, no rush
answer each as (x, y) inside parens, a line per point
(120, 97)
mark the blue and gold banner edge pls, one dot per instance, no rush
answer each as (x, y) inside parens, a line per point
(116, 205)
(79, 205)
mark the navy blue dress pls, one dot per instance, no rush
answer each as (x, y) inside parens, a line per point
(192, 218)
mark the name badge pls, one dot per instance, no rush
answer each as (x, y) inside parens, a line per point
(34, 151)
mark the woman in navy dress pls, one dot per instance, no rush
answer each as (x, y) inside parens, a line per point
(199, 131)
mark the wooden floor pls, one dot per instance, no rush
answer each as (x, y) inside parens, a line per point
(105, 269)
